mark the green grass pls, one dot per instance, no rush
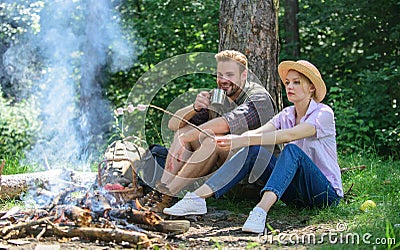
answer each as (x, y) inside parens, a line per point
(379, 181)
(13, 166)
(7, 204)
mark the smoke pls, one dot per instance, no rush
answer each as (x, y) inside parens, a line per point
(78, 41)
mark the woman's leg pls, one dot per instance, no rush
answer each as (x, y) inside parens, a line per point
(297, 180)
(239, 166)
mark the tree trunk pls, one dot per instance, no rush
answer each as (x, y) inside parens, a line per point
(250, 26)
(292, 38)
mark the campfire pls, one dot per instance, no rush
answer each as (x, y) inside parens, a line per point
(106, 209)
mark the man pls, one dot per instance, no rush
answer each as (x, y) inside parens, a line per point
(192, 154)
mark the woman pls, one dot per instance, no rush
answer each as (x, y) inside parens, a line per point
(305, 174)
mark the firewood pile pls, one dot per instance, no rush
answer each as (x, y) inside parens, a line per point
(106, 209)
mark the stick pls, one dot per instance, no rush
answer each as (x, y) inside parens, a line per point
(41, 233)
(28, 224)
(136, 216)
(184, 120)
(362, 167)
(173, 226)
(2, 167)
(103, 234)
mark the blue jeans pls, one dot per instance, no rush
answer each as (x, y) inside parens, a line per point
(293, 176)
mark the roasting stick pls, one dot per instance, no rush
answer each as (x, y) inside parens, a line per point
(142, 107)
(184, 120)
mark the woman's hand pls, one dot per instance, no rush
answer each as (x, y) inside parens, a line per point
(231, 141)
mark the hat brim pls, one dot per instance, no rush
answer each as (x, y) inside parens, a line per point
(320, 87)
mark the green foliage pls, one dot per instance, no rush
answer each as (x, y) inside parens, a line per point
(170, 28)
(17, 126)
(19, 17)
(165, 29)
(7, 204)
(369, 113)
(355, 44)
(387, 129)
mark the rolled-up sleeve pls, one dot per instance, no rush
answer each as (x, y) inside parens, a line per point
(253, 113)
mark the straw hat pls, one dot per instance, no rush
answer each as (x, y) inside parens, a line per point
(309, 70)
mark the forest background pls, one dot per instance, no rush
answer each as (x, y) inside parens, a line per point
(59, 89)
(355, 44)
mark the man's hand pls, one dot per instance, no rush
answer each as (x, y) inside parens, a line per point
(176, 155)
(202, 101)
(181, 149)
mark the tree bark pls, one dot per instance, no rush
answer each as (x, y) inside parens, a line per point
(292, 37)
(250, 26)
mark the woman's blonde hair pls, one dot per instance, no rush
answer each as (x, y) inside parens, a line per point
(303, 80)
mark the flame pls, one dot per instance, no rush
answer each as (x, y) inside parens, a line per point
(139, 206)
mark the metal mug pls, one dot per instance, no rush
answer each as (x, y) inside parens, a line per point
(217, 97)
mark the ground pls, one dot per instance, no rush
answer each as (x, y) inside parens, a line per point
(218, 229)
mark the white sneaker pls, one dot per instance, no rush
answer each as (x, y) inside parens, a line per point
(190, 204)
(255, 223)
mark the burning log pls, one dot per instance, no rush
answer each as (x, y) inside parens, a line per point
(135, 216)
(104, 234)
(45, 227)
(100, 223)
(104, 208)
(79, 216)
(6, 231)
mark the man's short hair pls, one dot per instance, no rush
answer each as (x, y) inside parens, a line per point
(227, 55)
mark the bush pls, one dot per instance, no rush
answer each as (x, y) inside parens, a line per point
(367, 115)
(18, 124)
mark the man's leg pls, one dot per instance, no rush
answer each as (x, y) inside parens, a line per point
(200, 164)
(172, 165)
(160, 193)
(227, 176)
(238, 167)
(234, 170)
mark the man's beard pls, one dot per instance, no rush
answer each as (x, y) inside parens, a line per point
(235, 88)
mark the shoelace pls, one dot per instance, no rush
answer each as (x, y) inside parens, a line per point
(255, 216)
(185, 203)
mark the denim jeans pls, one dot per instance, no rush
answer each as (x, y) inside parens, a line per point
(293, 176)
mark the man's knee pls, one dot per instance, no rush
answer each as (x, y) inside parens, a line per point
(208, 145)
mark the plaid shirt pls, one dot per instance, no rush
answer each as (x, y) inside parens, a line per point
(251, 110)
